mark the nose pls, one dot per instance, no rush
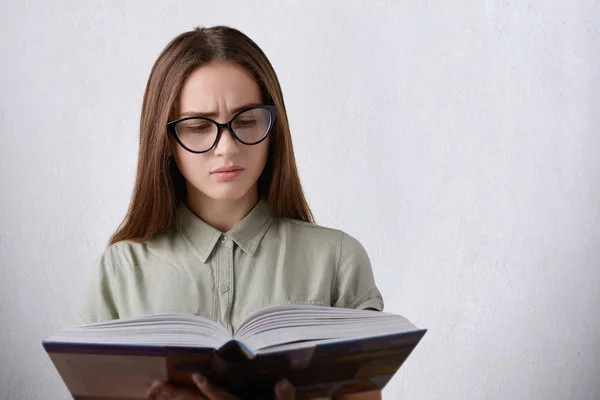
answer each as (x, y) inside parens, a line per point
(226, 145)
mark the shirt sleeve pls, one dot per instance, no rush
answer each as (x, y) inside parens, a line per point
(355, 285)
(98, 303)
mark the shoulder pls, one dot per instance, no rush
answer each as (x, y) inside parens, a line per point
(132, 254)
(309, 226)
(344, 243)
(124, 252)
(302, 229)
(353, 284)
(113, 258)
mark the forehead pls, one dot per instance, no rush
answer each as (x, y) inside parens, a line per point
(217, 85)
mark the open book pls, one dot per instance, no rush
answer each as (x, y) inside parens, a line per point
(323, 351)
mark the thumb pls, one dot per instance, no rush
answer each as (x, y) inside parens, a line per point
(284, 390)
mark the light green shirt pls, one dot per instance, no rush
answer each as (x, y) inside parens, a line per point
(261, 262)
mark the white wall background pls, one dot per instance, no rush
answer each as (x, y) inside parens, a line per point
(458, 141)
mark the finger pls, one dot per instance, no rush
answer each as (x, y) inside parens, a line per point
(156, 389)
(164, 391)
(185, 394)
(209, 390)
(370, 395)
(284, 390)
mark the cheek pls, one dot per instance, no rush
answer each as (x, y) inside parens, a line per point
(191, 165)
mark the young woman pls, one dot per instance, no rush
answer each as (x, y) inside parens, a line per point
(218, 224)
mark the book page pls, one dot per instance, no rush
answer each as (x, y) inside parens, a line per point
(294, 323)
(157, 329)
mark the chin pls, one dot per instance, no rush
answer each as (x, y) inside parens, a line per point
(226, 193)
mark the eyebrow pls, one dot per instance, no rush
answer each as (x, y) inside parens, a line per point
(214, 113)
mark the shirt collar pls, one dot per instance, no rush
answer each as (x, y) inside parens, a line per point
(247, 234)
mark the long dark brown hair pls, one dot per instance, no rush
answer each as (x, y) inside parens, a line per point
(159, 185)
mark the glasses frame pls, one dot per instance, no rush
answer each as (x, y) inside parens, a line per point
(171, 127)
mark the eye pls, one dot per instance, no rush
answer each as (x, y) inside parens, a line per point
(245, 123)
(201, 127)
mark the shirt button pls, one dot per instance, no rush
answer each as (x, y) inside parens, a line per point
(224, 239)
(224, 288)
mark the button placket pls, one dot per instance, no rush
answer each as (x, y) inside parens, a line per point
(225, 279)
(227, 284)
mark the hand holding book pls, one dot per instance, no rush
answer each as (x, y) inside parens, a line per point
(284, 390)
(161, 390)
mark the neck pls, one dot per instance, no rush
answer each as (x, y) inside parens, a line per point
(221, 214)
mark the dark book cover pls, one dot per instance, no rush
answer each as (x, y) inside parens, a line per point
(107, 371)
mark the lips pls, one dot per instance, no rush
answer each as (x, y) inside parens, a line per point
(227, 174)
(229, 168)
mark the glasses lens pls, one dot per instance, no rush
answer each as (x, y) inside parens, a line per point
(253, 125)
(196, 134)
